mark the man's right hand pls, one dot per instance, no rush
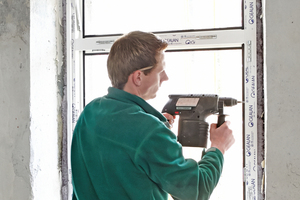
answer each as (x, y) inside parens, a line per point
(221, 137)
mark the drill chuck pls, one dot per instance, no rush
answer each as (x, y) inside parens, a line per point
(229, 101)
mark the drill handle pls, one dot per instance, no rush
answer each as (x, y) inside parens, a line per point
(221, 120)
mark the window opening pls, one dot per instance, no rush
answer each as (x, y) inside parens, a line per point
(86, 45)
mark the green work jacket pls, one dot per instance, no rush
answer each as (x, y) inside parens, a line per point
(122, 150)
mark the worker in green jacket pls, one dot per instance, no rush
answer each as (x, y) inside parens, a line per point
(121, 146)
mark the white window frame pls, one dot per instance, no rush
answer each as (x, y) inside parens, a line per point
(244, 37)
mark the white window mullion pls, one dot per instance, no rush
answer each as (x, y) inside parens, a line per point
(180, 40)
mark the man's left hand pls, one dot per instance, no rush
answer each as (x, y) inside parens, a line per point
(170, 118)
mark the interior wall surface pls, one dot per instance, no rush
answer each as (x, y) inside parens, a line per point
(45, 97)
(14, 100)
(31, 87)
(282, 48)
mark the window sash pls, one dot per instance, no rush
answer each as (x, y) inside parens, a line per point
(238, 37)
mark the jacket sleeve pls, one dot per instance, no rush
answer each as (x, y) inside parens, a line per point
(160, 157)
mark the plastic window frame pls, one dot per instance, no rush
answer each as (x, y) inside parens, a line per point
(243, 37)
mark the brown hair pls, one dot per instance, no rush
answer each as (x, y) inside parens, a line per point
(132, 52)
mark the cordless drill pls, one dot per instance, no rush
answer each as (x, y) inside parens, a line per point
(193, 109)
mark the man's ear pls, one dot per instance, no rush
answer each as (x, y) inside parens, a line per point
(137, 78)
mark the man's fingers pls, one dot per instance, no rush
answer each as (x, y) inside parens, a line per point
(228, 123)
(169, 117)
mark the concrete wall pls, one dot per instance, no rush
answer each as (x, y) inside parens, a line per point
(14, 100)
(30, 98)
(282, 50)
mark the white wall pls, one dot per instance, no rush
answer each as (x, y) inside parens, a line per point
(30, 98)
(45, 127)
(282, 58)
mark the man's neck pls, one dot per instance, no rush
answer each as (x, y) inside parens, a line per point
(131, 88)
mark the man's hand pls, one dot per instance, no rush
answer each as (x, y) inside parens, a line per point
(170, 118)
(221, 137)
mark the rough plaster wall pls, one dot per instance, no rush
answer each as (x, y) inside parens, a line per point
(260, 100)
(31, 89)
(14, 100)
(46, 94)
(64, 110)
(282, 48)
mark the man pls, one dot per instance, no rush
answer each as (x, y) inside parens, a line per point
(121, 147)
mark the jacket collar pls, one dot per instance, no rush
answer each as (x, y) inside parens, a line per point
(121, 95)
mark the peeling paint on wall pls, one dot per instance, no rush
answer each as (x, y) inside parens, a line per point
(260, 101)
(64, 108)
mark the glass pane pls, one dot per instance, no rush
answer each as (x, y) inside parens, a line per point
(194, 72)
(96, 78)
(118, 16)
(210, 72)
